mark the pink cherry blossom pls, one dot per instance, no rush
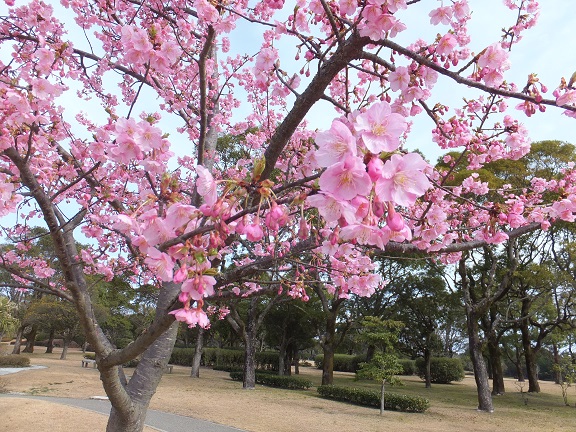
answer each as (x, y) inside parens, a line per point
(394, 220)
(335, 144)
(147, 137)
(446, 44)
(199, 286)
(276, 217)
(331, 208)
(345, 180)
(380, 129)
(254, 231)
(403, 180)
(494, 57)
(206, 185)
(441, 15)
(160, 264)
(266, 59)
(399, 79)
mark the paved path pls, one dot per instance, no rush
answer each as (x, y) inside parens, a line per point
(164, 422)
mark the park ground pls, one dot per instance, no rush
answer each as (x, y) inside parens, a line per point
(216, 398)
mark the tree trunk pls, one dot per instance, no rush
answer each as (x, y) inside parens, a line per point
(296, 361)
(282, 355)
(557, 370)
(130, 415)
(66, 342)
(18, 342)
(518, 365)
(427, 374)
(480, 371)
(529, 353)
(382, 397)
(531, 371)
(328, 364)
(197, 359)
(31, 339)
(328, 349)
(50, 344)
(496, 365)
(249, 382)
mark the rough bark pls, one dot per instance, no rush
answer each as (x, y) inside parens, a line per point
(30, 339)
(557, 370)
(296, 358)
(282, 354)
(50, 344)
(475, 344)
(529, 352)
(518, 366)
(382, 396)
(479, 365)
(249, 382)
(496, 365)
(18, 342)
(130, 416)
(328, 363)
(66, 343)
(197, 359)
(427, 374)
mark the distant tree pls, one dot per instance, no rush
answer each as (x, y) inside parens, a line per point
(58, 315)
(8, 321)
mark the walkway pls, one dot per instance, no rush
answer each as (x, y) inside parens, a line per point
(163, 422)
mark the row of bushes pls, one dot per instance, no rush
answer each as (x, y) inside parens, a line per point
(443, 370)
(281, 381)
(13, 360)
(220, 357)
(351, 363)
(342, 362)
(394, 402)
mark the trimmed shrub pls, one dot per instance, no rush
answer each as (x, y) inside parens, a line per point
(408, 366)
(267, 360)
(14, 360)
(221, 357)
(392, 401)
(90, 356)
(227, 368)
(342, 362)
(443, 370)
(272, 380)
(182, 356)
(224, 359)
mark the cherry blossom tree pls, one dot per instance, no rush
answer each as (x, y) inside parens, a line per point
(109, 123)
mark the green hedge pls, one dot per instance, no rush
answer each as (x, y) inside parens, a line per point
(392, 401)
(281, 381)
(223, 358)
(443, 370)
(342, 362)
(14, 360)
(408, 366)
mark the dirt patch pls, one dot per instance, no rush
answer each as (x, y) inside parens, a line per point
(216, 398)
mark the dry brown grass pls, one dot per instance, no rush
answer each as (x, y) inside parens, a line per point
(215, 397)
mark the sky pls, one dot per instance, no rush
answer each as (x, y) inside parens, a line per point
(544, 49)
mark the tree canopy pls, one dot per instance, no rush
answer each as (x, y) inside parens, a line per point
(138, 175)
